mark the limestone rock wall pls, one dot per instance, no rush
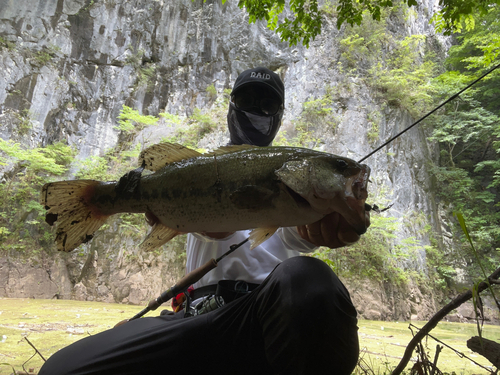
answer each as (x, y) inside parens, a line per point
(70, 65)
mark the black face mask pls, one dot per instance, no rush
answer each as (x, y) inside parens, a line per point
(252, 129)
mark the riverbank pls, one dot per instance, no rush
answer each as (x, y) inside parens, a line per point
(52, 324)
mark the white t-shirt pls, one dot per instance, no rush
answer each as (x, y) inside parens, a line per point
(251, 266)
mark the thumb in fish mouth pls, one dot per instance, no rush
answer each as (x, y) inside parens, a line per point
(349, 234)
(332, 231)
(346, 233)
(348, 238)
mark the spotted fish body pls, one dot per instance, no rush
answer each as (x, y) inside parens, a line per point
(233, 188)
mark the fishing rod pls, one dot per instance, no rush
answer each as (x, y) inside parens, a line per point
(430, 113)
(184, 283)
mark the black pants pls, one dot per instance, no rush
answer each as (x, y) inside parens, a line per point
(300, 320)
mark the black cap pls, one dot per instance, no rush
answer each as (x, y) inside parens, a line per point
(262, 76)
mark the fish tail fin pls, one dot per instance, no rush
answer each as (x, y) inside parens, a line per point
(67, 205)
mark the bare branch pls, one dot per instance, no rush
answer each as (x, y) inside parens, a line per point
(457, 301)
(36, 350)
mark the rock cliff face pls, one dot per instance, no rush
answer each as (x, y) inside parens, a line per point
(71, 65)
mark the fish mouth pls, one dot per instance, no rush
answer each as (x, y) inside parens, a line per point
(355, 195)
(349, 201)
(358, 186)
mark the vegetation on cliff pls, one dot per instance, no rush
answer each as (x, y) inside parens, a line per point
(402, 71)
(468, 132)
(407, 75)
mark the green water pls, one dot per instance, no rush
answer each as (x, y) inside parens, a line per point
(383, 345)
(50, 325)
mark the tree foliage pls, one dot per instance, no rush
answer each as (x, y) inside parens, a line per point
(303, 24)
(468, 132)
(352, 12)
(302, 20)
(455, 15)
(28, 170)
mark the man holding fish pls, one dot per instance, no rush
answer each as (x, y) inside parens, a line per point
(264, 309)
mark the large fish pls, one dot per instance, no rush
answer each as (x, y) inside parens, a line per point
(230, 189)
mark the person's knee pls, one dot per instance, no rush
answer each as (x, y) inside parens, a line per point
(308, 283)
(305, 264)
(305, 305)
(304, 271)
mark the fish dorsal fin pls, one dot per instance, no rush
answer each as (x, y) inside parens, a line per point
(161, 154)
(229, 149)
(259, 235)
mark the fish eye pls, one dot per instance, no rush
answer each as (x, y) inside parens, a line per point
(342, 164)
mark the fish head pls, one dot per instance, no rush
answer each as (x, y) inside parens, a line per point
(330, 183)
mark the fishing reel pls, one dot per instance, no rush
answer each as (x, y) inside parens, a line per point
(210, 303)
(226, 291)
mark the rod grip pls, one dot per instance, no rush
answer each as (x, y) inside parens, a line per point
(195, 275)
(179, 287)
(182, 284)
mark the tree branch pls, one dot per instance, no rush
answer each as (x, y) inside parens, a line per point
(36, 350)
(457, 301)
(487, 348)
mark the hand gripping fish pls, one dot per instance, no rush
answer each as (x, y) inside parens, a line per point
(233, 188)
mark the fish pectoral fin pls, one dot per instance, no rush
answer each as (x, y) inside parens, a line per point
(159, 235)
(259, 235)
(161, 154)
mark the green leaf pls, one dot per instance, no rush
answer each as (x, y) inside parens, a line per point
(130, 120)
